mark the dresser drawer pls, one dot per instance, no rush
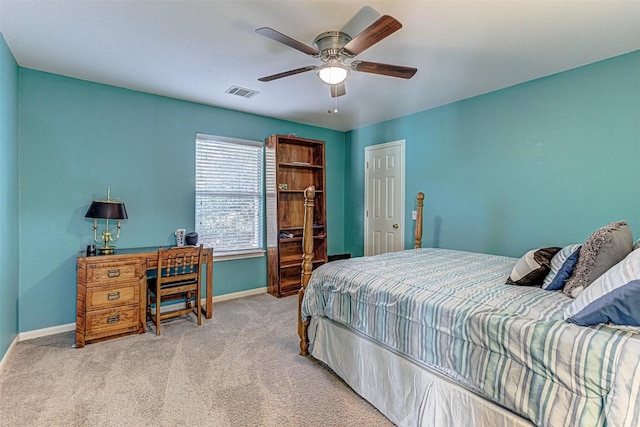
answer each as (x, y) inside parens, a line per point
(112, 272)
(113, 296)
(112, 319)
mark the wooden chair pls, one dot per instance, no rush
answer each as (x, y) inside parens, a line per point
(178, 277)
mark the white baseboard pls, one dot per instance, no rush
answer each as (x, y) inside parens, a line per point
(23, 336)
(226, 297)
(8, 353)
(241, 294)
(29, 335)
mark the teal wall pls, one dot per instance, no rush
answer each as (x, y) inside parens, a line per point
(77, 138)
(542, 163)
(9, 184)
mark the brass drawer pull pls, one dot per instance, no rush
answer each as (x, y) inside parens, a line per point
(112, 296)
(114, 273)
(113, 319)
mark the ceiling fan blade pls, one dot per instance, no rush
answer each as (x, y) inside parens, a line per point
(287, 73)
(383, 27)
(338, 90)
(288, 41)
(384, 69)
(361, 20)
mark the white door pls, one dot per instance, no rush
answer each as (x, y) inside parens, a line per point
(384, 198)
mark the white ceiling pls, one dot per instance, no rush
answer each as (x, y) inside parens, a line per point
(196, 50)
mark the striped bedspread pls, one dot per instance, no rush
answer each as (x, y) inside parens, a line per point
(451, 311)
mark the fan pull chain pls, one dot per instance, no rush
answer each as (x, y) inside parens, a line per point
(335, 108)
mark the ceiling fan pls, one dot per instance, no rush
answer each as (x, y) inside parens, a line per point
(334, 47)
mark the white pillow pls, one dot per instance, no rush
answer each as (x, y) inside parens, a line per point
(613, 297)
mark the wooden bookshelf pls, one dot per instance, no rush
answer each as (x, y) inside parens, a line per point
(292, 164)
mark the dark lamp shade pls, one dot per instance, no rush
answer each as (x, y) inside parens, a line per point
(106, 210)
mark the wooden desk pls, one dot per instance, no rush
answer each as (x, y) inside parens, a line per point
(111, 296)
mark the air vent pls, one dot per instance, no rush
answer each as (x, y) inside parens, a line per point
(240, 91)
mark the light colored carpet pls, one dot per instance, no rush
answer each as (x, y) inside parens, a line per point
(241, 368)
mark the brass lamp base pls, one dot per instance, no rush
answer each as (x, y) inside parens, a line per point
(106, 250)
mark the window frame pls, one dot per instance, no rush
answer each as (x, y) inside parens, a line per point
(249, 252)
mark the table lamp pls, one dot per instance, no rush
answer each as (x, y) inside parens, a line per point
(106, 209)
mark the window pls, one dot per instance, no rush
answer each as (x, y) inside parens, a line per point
(229, 194)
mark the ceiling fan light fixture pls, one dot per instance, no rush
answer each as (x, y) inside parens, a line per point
(332, 73)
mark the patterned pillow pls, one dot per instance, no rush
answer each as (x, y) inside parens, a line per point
(613, 297)
(561, 267)
(531, 269)
(606, 247)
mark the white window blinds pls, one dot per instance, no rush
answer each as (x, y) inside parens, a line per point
(229, 194)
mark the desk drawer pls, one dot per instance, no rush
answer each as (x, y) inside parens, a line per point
(113, 296)
(111, 272)
(112, 319)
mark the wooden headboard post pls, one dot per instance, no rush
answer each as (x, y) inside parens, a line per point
(418, 241)
(307, 256)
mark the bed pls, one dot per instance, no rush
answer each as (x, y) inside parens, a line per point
(434, 337)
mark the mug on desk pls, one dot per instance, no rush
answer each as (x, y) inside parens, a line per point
(180, 233)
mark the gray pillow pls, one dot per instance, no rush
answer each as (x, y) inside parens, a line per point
(606, 247)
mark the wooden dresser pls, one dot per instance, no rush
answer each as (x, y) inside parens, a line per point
(111, 297)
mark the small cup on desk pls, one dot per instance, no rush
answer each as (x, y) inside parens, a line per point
(180, 232)
(91, 250)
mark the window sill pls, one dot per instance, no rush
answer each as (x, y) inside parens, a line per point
(232, 256)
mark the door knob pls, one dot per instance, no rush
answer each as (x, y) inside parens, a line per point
(396, 226)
